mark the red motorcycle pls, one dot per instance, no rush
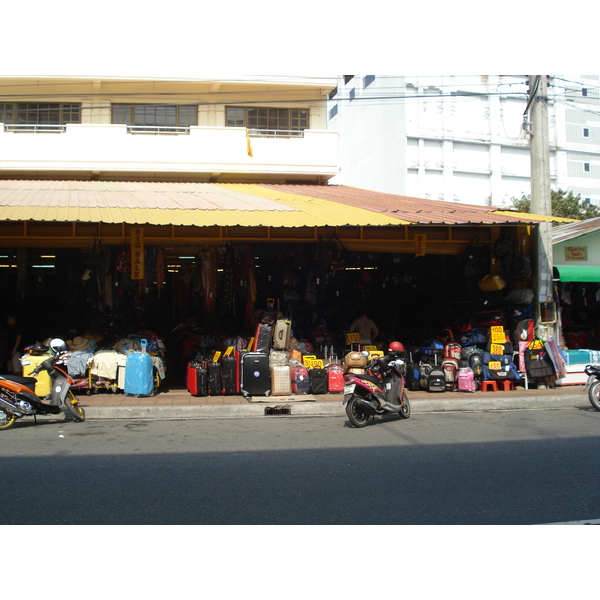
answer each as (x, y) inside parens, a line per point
(17, 394)
(378, 391)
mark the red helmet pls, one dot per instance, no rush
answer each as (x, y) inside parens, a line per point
(395, 347)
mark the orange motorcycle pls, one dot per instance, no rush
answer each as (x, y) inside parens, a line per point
(17, 394)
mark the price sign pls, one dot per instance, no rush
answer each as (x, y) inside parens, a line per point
(307, 360)
(498, 335)
(496, 365)
(496, 349)
(376, 354)
(353, 338)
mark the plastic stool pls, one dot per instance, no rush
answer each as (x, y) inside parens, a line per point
(487, 386)
(507, 385)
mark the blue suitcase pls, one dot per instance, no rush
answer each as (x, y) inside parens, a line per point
(139, 373)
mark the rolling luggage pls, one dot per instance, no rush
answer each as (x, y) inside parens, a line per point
(255, 375)
(139, 372)
(300, 380)
(214, 379)
(229, 375)
(318, 381)
(335, 379)
(238, 373)
(281, 380)
(196, 379)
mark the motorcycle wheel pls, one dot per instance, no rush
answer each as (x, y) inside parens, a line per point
(594, 395)
(405, 410)
(74, 407)
(358, 416)
(6, 420)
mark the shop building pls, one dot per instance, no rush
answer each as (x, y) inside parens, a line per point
(147, 204)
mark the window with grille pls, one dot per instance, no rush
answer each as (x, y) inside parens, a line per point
(38, 115)
(268, 121)
(155, 118)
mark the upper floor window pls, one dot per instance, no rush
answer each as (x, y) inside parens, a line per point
(38, 116)
(368, 80)
(268, 121)
(159, 118)
(586, 132)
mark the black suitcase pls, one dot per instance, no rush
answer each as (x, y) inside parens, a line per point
(436, 381)
(214, 379)
(229, 375)
(255, 374)
(318, 381)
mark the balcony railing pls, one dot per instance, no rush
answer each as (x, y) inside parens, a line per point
(34, 128)
(284, 133)
(158, 130)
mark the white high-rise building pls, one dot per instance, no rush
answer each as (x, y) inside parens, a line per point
(463, 138)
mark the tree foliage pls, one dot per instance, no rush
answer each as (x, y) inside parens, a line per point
(564, 204)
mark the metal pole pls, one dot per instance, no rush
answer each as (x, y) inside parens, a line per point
(541, 198)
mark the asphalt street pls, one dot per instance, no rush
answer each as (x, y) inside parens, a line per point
(505, 467)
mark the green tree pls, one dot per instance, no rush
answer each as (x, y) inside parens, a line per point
(564, 204)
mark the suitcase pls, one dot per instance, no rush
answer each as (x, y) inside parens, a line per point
(281, 380)
(229, 375)
(300, 380)
(263, 338)
(436, 381)
(335, 379)
(214, 379)
(318, 381)
(255, 374)
(196, 379)
(238, 373)
(281, 334)
(139, 373)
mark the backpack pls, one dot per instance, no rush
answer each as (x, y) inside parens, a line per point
(466, 380)
(424, 372)
(436, 381)
(452, 350)
(450, 367)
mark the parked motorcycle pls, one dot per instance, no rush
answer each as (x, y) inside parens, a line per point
(593, 385)
(18, 398)
(380, 390)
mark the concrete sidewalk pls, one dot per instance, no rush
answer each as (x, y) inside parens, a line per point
(179, 404)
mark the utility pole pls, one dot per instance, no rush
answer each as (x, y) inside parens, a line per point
(541, 198)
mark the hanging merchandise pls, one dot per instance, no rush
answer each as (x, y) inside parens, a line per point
(209, 276)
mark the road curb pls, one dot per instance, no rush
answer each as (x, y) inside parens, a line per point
(322, 409)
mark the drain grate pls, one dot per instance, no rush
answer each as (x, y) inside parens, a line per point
(278, 410)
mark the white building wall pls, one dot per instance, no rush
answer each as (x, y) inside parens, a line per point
(461, 139)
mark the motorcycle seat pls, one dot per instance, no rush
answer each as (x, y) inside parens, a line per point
(370, 378)
(28, 381)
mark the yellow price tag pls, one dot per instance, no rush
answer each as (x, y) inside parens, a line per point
(307, 360)
(352, 338)
(376, 354)
(496, 349)
(317, 363)
(370, 348)
(496, 365)
(497, 334)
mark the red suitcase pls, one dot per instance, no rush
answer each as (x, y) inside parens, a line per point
(196, 380)
(335, 379)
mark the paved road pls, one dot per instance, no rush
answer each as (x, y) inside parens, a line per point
(513, 467)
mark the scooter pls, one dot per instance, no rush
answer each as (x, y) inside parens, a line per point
(382, 391)
(18, 398)
(592, 385)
